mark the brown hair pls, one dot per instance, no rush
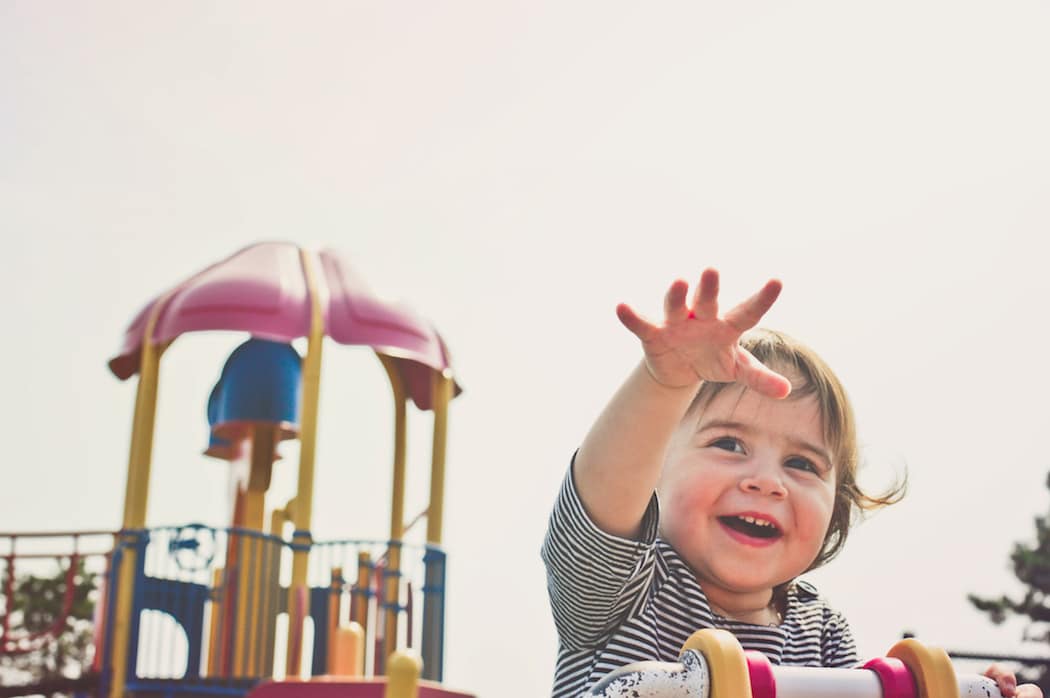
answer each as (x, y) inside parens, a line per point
(809, 375)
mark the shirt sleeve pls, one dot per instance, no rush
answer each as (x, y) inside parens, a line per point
(837, 647)
(593, 577)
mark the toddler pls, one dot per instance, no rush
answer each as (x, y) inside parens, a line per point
(722, 469)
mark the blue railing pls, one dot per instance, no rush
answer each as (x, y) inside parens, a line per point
(210, 606)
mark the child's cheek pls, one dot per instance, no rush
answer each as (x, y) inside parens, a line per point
(690, 501)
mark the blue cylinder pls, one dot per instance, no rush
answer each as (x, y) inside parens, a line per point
(218, 447)
(260, 385)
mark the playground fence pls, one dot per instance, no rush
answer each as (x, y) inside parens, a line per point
(213, 611)
(64, 571)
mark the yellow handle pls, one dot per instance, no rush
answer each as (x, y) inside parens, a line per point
(931, 667)
(726, 662)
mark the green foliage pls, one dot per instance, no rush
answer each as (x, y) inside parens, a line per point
(1031, 565)
(37, 607)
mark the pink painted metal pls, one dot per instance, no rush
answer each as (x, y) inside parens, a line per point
(345, 687)
(760, 672)
(262, 290)
(896, 678)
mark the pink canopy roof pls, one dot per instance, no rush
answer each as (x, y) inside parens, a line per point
(262, 290)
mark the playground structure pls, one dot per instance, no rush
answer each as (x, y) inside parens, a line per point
(200, 610)
(247, 609)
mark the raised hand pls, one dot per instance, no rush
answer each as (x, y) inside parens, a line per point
(695, 344)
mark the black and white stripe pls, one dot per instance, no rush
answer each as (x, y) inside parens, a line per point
(617, 601)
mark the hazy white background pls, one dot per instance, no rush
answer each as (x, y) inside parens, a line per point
(513, 170)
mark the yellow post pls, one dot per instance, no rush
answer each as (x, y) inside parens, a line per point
(391, 597)
(442, 389)
(277, 520)
(346, 656)
(391, 586)
(264, 440)
(402, 676)
(307, 448)
(250, 591)
(397, 503)
(279, 516)
(273, 583)
(136, 493)
(360, 596)
(213, 665)
(335, 597)
(433, 600)
(122, 621)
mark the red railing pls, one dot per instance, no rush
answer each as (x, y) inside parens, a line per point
(26, 553)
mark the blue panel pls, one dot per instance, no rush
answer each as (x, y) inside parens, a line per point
(217, 446)
(260, 383)
(320, 597)
(183, 601)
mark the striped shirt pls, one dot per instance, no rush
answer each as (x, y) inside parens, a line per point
(616, 601)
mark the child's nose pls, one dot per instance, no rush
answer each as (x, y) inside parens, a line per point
(764, 481)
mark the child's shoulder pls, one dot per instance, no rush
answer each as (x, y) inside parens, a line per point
(804, 590)
(805, 599)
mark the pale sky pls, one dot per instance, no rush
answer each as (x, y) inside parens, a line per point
(513, 170)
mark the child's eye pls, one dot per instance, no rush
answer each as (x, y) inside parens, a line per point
(800, 463)
(728, 443)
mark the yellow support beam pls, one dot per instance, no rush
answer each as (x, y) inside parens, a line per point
(359, 597)
(251, 594)
(335, 598)
(397, 499)
(278, 517)
(392, 574)
(391, 597)
(307, 449)
(136, 494)
(442, 396)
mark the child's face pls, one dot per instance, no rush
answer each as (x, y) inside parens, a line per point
(746, 493)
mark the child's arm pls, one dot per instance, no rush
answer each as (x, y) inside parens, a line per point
(618, 464)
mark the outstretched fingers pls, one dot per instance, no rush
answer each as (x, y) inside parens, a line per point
(705, 301)
(639, 326)
(746, 315)
(674, 302)
(759, 377)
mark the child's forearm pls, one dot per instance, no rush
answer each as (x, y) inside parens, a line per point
(618, 465)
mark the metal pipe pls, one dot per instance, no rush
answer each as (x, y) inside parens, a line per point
(136, 493)
(442, 395)
(307, 449)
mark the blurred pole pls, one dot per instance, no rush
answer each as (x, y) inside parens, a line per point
(434, 583)
(136, 493)
(304, 498)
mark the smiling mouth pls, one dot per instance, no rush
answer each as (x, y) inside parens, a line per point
(750, 526)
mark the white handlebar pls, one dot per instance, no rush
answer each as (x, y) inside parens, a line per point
(691, 677)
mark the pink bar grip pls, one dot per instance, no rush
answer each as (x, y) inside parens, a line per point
(896, 679)
(760, 671)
